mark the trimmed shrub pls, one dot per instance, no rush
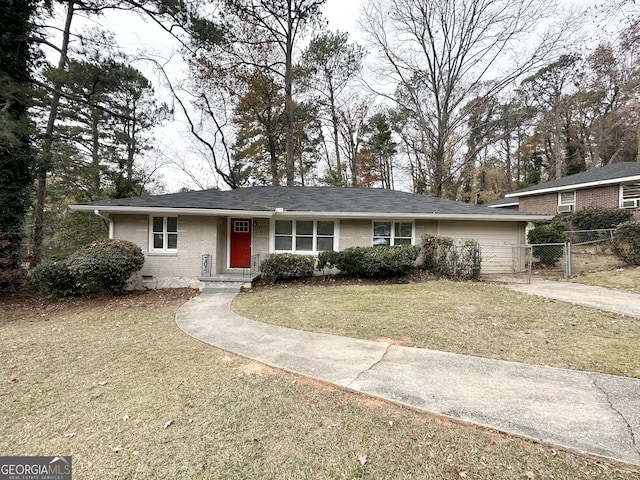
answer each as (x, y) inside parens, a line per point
(443, 258)
(598, 218)
(548, 232)
(286, 266)
(372, 262)
(105, 265)
(626, 242)
(54, 279)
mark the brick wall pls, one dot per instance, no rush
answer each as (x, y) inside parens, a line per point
(604, 197)
(197, 235)
(547, 203)
(544, 204)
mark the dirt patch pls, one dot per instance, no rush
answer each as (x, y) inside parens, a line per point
(256, 368)
(17, 308)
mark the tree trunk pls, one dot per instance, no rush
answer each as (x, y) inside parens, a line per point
(288, 99)
(45, 160)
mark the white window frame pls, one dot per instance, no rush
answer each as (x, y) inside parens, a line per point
(564, 203)
(294, 235)
(392, 237)
(632, 199)
(165, 234)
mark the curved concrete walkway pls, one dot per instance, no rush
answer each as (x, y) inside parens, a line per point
(587, 412)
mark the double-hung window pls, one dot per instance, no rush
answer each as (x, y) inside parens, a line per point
(392, 233)
(164, 233)
(304, 235)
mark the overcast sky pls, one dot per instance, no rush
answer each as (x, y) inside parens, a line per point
(134, 35)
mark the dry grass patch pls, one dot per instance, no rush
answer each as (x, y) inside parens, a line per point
(115, 384)
(470, 318)
(624, 278)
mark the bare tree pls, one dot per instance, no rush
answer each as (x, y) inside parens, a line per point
(442, 54)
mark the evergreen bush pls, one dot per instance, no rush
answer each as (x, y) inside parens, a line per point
(372, 262)
(55, 280)
(105, 265)
(12, 276)
(598, 218)
(548, 232)
(286, 266)
(626, 242)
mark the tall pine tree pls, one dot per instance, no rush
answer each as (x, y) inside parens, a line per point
(16, 155)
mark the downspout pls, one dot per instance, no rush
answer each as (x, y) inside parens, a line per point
(108, 220)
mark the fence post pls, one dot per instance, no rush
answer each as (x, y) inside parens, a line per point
(567, 256)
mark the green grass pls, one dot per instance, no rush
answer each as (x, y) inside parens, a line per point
(83, 377)
(469, 318)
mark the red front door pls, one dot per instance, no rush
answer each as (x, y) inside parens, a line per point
(240, 243)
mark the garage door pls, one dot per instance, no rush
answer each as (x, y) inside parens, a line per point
(499, 243)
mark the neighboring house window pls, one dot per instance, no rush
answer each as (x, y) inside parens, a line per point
(164, 233)
(566, 202)
(392, 233)
(630, 195)
(304, 235)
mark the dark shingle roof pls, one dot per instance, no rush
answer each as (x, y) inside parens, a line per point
(304, 199)
(607, 174)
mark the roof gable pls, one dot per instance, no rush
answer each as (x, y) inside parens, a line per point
(613, 173)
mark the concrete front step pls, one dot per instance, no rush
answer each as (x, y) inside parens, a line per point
(227, 283)
(229, 288)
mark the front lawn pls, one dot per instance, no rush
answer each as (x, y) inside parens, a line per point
(114, 383)
(623, 278)
(469, 318)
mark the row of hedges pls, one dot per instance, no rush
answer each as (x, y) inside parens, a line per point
(371, 262)
(103, 266)
(438, 255)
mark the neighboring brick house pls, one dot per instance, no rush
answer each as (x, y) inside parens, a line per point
(616, 185)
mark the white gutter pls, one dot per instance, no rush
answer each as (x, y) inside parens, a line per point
(412, 215)
(109, 220)
(575, 186)
(113, 209)
(510, 204)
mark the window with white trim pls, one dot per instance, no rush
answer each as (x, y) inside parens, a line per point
(304, 235)
(630, 195)
(566, 202)
(164, 234)
(392, 233)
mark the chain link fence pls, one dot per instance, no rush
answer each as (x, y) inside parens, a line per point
(591, 251)
(586, 251)
(519, 263)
